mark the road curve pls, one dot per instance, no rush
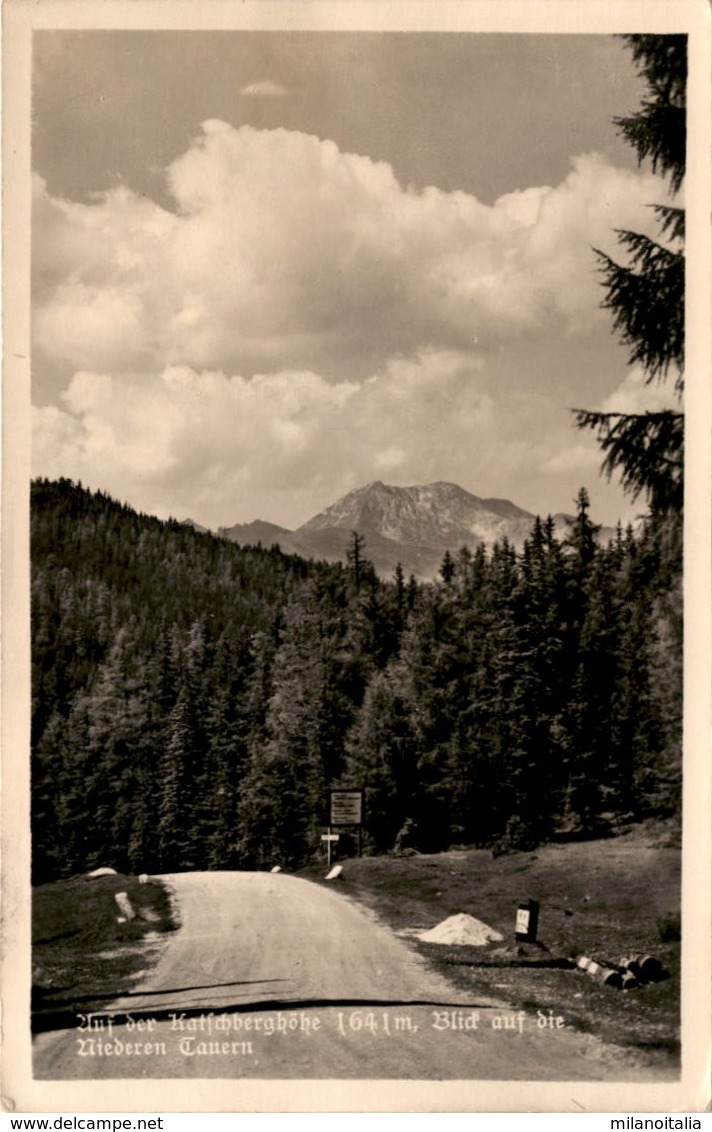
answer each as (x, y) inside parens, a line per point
(271, 976)
(254, 937)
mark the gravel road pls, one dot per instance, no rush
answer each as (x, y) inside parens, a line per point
(272, 976)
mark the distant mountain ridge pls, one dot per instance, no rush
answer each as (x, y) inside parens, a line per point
(433, 514)
(411, 525)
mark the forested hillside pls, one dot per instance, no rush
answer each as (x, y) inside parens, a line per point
(194, 701)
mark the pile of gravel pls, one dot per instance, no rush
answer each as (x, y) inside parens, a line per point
(462, 930)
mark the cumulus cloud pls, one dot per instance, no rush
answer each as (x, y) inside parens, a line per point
(301, 322)
(285, 252)
(181, 434)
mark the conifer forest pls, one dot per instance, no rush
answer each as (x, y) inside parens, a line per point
(194, 701)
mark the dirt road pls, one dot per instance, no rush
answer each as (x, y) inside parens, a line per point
(271, 976)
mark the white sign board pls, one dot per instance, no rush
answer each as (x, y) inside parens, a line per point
(346, 807)
(521, 925)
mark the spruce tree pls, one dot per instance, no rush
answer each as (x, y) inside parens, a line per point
(645, 294)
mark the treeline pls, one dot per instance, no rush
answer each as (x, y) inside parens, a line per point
(194, 701)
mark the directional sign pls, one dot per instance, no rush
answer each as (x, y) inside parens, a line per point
(346, 807)
(330, 837)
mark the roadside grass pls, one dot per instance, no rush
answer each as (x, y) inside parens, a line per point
(82, 955)
(604, 899)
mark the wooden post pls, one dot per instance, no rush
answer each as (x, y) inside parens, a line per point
(328, 848)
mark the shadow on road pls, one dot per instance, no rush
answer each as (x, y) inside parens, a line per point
(62, 1019)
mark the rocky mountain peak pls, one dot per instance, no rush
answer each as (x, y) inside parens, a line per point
(439, 514)
(412, 526)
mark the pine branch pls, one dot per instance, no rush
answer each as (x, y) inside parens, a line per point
(648, 306)
(662, 62)
(646, 448)
(672, 220)
(647, 255)
(659, 132)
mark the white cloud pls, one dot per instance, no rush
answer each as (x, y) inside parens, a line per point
(635, 395)
(575, 458)
(82, 320)
(212, 440)
(389, 458)
(285, 252)
(301, 323)
(265, 88)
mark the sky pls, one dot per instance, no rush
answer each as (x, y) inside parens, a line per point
(271, 267)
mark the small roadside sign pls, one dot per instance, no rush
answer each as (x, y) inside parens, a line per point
(329, 838)
(527, 921)
(346, 807)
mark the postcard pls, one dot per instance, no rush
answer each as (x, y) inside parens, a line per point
(356, 471)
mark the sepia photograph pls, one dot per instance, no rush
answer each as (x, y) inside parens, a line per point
(359, 699)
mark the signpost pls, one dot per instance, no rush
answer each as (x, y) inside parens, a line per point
(346, 808)
(328, 838)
